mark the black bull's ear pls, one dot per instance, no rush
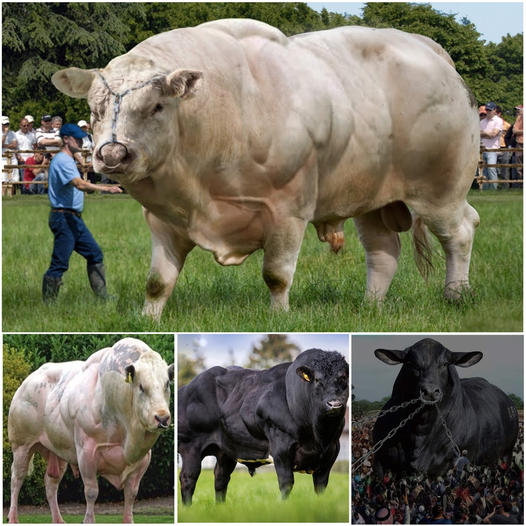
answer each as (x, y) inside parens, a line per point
(390, 357)
(466, 359)
(305, 374)
(130, 374)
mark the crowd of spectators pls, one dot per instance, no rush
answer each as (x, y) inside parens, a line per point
(467, 494)
(496, 132)
(46, 138)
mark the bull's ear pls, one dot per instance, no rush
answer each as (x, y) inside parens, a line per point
(130, 374)
(183, 83)
(171, 372)
(390, 357)
(305, 374)
(466, 359)
(74, 82)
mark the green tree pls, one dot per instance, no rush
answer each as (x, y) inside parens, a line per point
(517, 400)
(272, 349)
(188, 366)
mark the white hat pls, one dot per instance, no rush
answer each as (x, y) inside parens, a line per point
(29, 118)
(5, 119)
(82, 123)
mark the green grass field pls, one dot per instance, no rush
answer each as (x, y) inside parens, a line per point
(326, 295)
(39, 518)
(258, 499)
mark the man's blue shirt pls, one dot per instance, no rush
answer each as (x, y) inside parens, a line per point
(62, 194)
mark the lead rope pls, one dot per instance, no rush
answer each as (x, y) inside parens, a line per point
(117, 102)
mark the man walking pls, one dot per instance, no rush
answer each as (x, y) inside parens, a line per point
(66, 188)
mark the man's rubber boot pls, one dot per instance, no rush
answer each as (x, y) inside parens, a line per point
(97, 280)
(50, 288)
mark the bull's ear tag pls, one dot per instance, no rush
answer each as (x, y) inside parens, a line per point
(129, 378)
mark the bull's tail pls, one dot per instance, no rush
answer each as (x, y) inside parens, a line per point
(422, 249)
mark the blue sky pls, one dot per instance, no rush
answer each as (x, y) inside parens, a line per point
(216, 347)
(502, 363)
(492, 19)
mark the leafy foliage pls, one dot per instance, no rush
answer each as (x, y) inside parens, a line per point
(40, 38)
(273, 349)
(24, 353)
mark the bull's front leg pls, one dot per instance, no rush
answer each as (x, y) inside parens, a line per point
(131, 487)
(169, 251)
(280, 448)
(190, 471)
(87, 459)
(281, 251)
(320, 477)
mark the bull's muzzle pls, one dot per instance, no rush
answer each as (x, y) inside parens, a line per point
(163, 421)
(333, 405)
(113, 155)
(430, 394)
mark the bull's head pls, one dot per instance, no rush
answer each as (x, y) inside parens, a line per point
(150, 379)
(428, 368)
(318, 384)
(133, 112)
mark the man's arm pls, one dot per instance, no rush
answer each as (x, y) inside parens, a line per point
(86, 186)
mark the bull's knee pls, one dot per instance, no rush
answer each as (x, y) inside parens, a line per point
(155, 286)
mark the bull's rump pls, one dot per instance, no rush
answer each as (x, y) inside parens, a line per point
(220, 406)
(36, 398)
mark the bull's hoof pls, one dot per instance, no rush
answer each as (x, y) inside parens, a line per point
(459, 292)
(153, 311)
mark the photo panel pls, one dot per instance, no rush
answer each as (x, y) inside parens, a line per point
(263, 427)
(100, 404)
(437, 429)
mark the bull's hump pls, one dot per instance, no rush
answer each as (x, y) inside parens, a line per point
(125, 352)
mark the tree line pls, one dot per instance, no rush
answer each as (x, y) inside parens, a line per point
(41, 38)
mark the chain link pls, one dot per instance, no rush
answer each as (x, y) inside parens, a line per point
(390, 435)
(448, 432)
(392, 409)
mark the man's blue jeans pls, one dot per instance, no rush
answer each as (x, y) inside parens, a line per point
(490, 173)
(70, 234)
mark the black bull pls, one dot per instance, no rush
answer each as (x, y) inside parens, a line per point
(481, 418)
(293, 412)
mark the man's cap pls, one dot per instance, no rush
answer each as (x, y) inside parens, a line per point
(482, 110)
(72, 130)
(5, 119)
(29, 118)
(491, 106)
(82, 123)
(46, 117)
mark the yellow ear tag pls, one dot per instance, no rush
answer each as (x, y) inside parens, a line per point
(128, 379)
(306, 377)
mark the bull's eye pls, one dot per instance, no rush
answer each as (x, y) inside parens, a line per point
(157, 109)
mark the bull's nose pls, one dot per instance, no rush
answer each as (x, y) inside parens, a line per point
(431, 394)
(163, 421)
(113, 154)
(334, 404)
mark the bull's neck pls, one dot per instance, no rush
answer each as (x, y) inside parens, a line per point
(138, 442)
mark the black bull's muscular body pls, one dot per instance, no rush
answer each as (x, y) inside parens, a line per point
(482, 419)
(294, 412)
(234, 137)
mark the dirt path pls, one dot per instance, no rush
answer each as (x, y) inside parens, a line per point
(161, 505)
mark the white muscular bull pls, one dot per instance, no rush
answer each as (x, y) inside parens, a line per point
(101, 417)
(234, 137)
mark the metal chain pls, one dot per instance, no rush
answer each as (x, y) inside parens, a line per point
(390, 435)
(448, 433)
(392, 409)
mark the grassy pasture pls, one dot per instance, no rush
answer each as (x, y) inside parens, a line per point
(258, 500)
(41, 518)
(326, 295)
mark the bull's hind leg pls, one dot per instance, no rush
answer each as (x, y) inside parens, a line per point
(222, 471)
(281, 251)
(56, 468)
(168, 255)
(19, 468)
(455, 229)
(190, 472)
(382, 250)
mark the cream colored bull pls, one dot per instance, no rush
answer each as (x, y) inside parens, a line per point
(234, 137)
(101, 416)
